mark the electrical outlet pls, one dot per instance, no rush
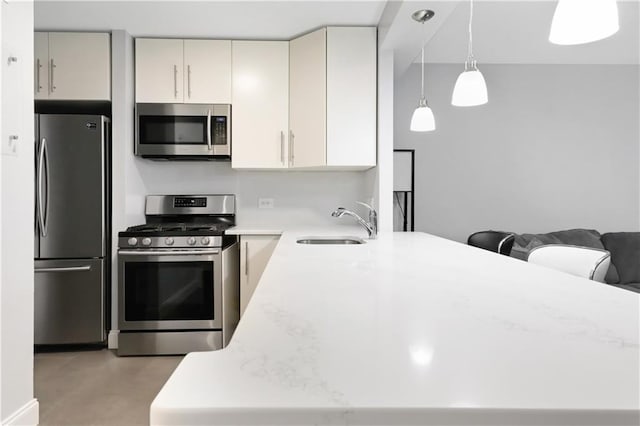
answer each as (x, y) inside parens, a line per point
(265, 203)
(10, 145)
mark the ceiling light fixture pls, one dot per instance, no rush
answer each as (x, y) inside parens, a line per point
(422, 119)
(579, 21)
(470, 88)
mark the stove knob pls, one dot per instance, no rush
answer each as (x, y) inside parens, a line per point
(191, 241)
(205, 241)
(146, 241)
(169, 241)
(132, 241)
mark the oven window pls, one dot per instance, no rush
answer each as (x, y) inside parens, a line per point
(178, 130)
(168, 291)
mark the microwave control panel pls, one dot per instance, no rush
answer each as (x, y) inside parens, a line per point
(220, 131)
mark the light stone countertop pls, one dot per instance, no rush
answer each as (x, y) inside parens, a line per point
(412, 329)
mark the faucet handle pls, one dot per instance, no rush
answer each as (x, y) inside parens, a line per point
(366, 205)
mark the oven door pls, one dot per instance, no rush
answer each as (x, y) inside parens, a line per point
(183, 130)
(169, 290)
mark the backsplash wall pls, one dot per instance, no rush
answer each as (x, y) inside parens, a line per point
(300, 198)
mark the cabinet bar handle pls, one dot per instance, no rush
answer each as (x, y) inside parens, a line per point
(175, 81)
(189, 81)
(282, 147)
(38, 67)
(52, 84)
(291, 146)
(246, 258)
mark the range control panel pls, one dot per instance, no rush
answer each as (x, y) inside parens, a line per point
(190, 202)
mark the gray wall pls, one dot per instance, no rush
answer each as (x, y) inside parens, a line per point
(556, 147)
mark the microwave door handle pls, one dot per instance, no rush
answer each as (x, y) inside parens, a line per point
(209, 130)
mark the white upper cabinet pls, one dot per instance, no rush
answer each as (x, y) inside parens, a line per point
(183, 71)
(159, 64)
(307, 99)
(351, 96)
(260, 98)
(333, 98)
(41, 64)
(207, 68)
(72, 66)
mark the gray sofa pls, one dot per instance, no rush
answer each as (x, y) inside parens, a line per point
(624, 247)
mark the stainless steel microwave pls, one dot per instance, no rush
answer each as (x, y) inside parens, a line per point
(183, 131)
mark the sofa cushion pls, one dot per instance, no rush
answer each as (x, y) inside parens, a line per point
(575, 237)
(612, 276)
(631, 287)
(524, 243)
(625, 254)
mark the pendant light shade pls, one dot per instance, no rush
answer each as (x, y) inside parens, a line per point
(422, 119)
(580, 21)
(470, 88)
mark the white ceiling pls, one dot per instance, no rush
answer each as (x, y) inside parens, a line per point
(215, 19)
(505, 31)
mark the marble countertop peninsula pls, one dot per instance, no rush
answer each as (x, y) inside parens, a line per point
(412, 329)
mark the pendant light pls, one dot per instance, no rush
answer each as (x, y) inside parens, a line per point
(580, 21)
(422, 119)
(470, 88)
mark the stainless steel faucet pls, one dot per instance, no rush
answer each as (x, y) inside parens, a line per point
(371, 226)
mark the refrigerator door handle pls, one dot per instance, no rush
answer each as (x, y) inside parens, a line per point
(45, 219)
(40, 201)
(65, 269)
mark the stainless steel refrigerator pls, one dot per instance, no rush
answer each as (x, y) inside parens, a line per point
(71, 228)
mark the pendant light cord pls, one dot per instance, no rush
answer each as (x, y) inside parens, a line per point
(423, 99)
(470, 63)
(422, 75)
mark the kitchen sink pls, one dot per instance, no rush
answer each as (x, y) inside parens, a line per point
(330, 240)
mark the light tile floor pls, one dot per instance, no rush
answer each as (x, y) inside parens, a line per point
(96, 387)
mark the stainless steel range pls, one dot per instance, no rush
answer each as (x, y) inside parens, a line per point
(178, 283)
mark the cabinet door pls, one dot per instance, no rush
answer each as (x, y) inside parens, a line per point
(255, 252)
(307, 99)
(260, 104)
(207, 68)
(351, 96)
(41, 65)
(159, 68)
(80, 66)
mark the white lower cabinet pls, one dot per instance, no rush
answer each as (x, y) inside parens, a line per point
(255, 252)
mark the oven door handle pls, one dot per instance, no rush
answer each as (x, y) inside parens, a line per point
(166, 253)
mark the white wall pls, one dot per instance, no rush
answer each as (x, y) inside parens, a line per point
(17, 404)
(557, 147)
